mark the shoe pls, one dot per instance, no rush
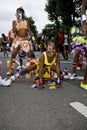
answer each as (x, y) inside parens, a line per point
(73, 76)
(82, 85)
(10, 72)
(34, 86)
(66, 76)
(4, 82)
(11, 79)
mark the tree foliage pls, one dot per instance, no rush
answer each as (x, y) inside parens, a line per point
(63, 12)
(50, 30)
(32, 25)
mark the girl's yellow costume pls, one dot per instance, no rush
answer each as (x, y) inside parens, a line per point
(47, 67)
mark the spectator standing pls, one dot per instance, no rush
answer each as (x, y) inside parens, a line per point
(59, 40)
(4, 42)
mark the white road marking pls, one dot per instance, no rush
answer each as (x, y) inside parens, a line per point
(80, 108)
(80, 77)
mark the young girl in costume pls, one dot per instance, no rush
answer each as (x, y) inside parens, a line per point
(47, 62)
(78, 51)
(20, 29)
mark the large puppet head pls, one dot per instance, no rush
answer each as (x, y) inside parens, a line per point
(20, 13)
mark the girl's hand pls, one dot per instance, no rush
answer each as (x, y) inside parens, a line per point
(58, 83)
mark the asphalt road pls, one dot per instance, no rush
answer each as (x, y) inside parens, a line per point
(25, 108)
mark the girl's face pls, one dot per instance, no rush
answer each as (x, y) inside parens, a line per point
(51, 50)
(19, 15)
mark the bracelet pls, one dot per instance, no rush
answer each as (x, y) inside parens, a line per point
(58, 81)
(39, 81)
(83, 18)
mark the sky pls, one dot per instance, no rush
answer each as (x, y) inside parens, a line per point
(33, 8)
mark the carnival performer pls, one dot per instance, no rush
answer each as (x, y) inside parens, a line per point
(4, 42)
(84, 31)
(66, 44)
(47, 62)
(21, 29)
(78, 51)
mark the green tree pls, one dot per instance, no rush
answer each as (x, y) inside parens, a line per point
(51, 9)
(50, 30)
(32, 26)
(63, 12)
